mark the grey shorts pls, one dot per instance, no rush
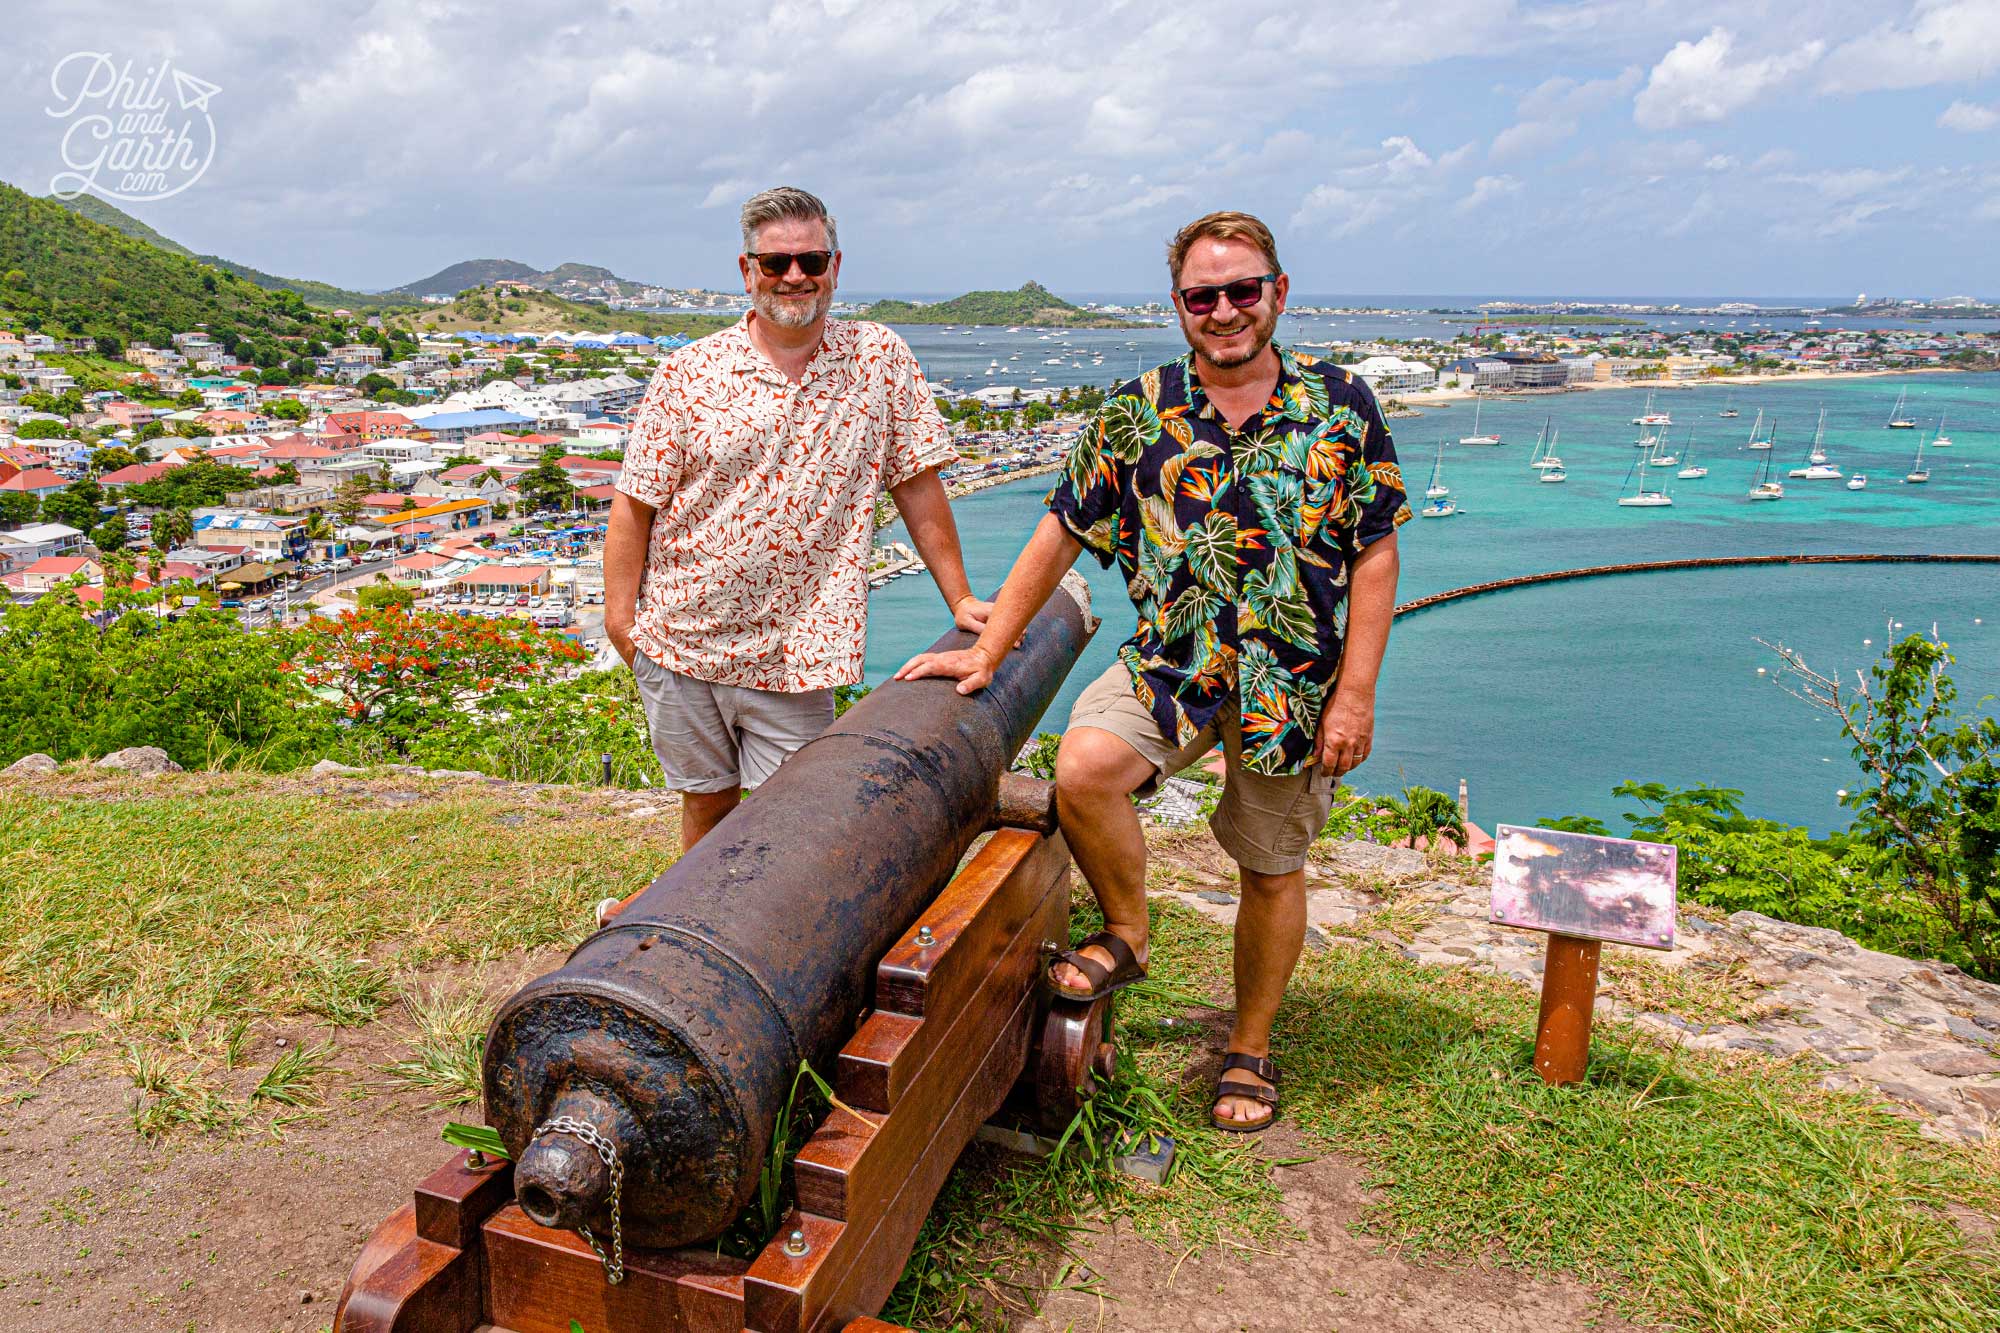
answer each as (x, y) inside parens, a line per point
(1265, 823)
(712, 738)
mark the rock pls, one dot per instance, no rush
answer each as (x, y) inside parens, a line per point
(1373, 859)
(31, 764)
(1216, 896)
(642, 812)
(1909, 1096)
(1967, 1031)
(454, 773)
(1984, 1098)
(1957, 1064)
(142, 759)
(1845, 1050)
(1815, 937)
(328, 767)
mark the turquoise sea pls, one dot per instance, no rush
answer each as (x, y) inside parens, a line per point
(1544, 698)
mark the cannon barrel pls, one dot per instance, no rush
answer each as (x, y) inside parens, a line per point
(674, 1034)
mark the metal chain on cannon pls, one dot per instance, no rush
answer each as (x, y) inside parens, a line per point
(614, 1262)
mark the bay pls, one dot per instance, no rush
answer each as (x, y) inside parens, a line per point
(1542, 699)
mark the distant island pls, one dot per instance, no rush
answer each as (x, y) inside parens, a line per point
(1032, 304)
(569, 279)
(1536, 321)
(529, 310)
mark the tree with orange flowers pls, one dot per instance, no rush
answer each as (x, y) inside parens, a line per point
(404, 673)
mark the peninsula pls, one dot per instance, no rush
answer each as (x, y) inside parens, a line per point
(1031, 304)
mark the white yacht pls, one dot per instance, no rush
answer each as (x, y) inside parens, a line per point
(1690, 470)
(1918, 473)
(1476, 437)
(1858, 482)
(1816, 467)
(1643, 498)
(1648, 417)
(1940, 440)
(1437, 490)
(1767, 487)
(1754, 442)
(1898, 420)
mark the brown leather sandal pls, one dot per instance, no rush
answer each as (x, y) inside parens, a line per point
(1103, 981)
(1264, 1067)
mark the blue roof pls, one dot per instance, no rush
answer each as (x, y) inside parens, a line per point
(672, 340)
(483, 416)
(590, 342)
(631, 340)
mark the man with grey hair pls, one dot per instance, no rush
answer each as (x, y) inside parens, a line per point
(736, 563)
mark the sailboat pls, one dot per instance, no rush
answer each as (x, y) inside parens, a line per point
(1476, 437)
(1643, 498)
(1897, 421)
(1918, 473)
(1547, 458)
(1552, 468)
(1437, 490)
(1767, 487)
(1729, 408)
(1755, 426)
(1940, 440)
(1691, 469)
(1817, 468)
(1438, 508)
(1648, 417)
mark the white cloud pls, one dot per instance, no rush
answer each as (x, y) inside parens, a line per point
(1486, 189)
(1556, 109)
(1969, 117)
(1945, 41)
(1698, 82)
(1335, 211)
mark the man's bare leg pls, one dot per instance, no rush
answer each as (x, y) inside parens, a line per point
(1270, 931)
(702, 811)
(1096, 774)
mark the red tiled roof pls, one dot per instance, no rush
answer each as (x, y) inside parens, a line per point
(33, 479)
(505, 576)
(134, 473)
(61, 566)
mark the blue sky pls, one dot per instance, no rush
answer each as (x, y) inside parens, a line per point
(1599, 147)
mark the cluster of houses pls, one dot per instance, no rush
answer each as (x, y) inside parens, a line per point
(434, 470)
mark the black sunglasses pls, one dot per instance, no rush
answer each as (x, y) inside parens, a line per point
(1242, 293)
(812, 263)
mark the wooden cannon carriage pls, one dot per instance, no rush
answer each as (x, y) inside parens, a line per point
(599, 1075)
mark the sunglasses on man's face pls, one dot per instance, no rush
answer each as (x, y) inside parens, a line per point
(812, 263)
(1242, 293)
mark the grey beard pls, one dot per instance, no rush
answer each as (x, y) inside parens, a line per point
(787, 314)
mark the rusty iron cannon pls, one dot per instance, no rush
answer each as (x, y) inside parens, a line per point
(834, 917)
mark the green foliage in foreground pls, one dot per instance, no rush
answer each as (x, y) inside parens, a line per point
(1696, 1192)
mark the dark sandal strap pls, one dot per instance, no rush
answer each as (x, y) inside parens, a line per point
(1121, 953)
(1230, 1087)
(1263, 1066)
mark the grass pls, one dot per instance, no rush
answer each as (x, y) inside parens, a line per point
(450, 1039)
(177, 916)
(1696, 1191)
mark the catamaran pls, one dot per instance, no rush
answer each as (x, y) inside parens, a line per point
(1476, 437)
(1897, 421)
(1757, 425)
(1648, 417)
(1918, 473)
(1691, 469)
(1940, 440)
(1437, 490)
(1643, 498)
(1817, 468)
(1767, 487)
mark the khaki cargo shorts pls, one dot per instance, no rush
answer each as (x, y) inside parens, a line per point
(712, 738)
(1265, 823)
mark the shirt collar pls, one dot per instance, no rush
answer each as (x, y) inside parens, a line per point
(1289, 375)
(828, 364)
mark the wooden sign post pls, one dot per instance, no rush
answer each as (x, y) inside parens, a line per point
(1582, 890)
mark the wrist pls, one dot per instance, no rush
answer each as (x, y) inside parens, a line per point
(962, 599)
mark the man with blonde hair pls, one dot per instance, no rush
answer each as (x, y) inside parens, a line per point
(1250, 495)
(736, 561)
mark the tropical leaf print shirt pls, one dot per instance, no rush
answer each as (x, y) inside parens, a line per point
(1235, 544)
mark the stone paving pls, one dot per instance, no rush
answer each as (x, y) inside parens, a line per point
(1922, 1035)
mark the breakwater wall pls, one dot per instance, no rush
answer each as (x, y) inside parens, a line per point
(1701, 562)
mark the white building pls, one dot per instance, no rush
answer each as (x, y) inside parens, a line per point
(1392, 374)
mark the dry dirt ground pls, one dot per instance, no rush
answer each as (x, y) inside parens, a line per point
(105, 1231)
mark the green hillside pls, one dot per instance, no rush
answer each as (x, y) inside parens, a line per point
(469, 273)
(483, 310)
(1031, 304)
(64, 274)
(316, 293)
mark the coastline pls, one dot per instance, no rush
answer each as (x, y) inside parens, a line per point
(1420, 399)
(885, 509)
